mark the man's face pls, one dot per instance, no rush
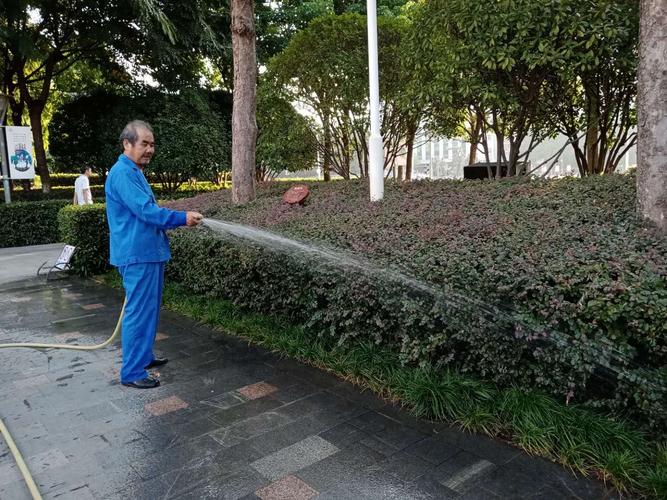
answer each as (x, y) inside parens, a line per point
(142, 150)
(88, 172)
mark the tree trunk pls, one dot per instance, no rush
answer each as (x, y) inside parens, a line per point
(474, 138)
(592, 134)
(652, 113)
(244, 124)
(35, 111)
(17, 108)
(411, 147)
(326, 162)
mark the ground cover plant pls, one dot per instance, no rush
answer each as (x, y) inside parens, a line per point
(553, 285)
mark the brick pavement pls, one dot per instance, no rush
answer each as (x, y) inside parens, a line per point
(229, 421)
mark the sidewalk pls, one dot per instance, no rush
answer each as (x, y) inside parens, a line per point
(23, 262)
(229, 421)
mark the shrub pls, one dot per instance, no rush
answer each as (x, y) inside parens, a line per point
(553, 285)
(86, 228)
(67, 180)
(65, 193)
(34, 223)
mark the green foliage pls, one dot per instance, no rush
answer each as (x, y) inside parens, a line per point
(285, 140)
(68, 179)
(67, 192)
(533, 66)
(84, 131)
(552, 285)
(86, 228)
(192, 136)
(192, 141)
(325, 68)
(33, 223)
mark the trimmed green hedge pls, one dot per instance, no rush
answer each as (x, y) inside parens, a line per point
(67, 193)
(67, 180)
(553, 285)
(34, 223)
(549, 285)
(64, 193)
(86, 228)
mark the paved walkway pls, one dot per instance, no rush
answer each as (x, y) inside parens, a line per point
(229, 421)
(23, 262)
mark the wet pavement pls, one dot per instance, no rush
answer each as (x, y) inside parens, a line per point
(229, 421)
(23, 262)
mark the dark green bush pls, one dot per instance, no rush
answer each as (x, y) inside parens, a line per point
(34, 223)
(67, 180)
(549, 285)
(86, 228)
(67, 193)
(554, 285)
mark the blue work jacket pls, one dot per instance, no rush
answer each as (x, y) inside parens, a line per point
(136, 223)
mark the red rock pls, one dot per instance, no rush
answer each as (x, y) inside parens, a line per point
(296, 194)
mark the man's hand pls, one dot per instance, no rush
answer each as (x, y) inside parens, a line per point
(193, 218)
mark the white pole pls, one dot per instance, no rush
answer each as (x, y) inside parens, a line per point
(376, 153)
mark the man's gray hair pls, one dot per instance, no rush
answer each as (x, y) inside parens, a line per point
(131, 131)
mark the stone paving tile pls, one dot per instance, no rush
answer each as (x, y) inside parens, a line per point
(433, 449)
(462, 470)
(405, 467)
(257, 390)
(225, 400)
(228, 421)
(92, 307)
(223, 485)
(166, 405)
(63, 337)
(287, 488)
(294, 457)
(340, 468)
(31, 382)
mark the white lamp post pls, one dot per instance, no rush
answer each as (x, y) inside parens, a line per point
(376, 153)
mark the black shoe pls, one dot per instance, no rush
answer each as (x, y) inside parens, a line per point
(157, 362)
(144, 383)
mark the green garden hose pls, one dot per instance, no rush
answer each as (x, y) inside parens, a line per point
(30, 482)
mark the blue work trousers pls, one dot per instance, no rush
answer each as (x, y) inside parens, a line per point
(143, 294)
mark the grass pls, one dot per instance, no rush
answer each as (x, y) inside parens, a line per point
(579, 438)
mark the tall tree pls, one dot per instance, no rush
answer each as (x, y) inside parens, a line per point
(244, 123)
(533, 67)
(652, 110)
(325, 69)
(593, 95)
(42, 39)
(285, 140)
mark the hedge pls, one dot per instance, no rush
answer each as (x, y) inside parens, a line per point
(549, 285)
(34, 223)
(86, 228)
(67, 193)
(64, 193)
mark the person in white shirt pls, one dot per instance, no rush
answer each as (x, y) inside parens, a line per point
(82, 195)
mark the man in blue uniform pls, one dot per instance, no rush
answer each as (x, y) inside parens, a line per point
(139, 249)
